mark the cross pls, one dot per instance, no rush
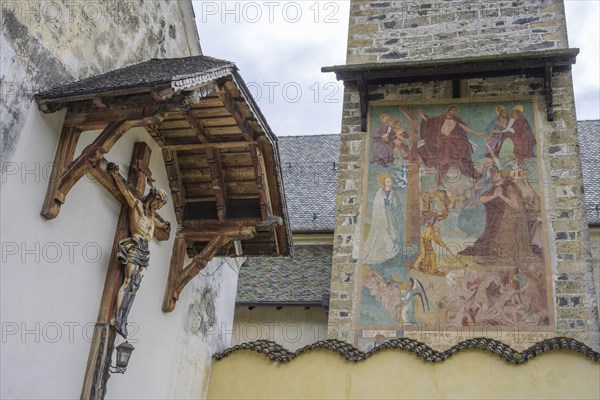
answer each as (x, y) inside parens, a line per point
(97, 370)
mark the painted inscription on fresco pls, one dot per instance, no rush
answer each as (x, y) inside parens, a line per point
(453, 229)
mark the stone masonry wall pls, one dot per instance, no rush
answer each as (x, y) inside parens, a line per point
(575, 297)
(383, 31)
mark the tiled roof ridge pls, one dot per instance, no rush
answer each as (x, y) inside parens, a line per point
(181, 58)
(133, 66)
(277, 353)
(308, 135)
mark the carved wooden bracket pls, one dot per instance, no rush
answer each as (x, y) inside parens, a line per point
(67, 171)
(363, 94)
(540, 64)
(179, 276)
(548, 92)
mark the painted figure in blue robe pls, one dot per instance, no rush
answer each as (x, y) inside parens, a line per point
(495, 130)
(385, 239)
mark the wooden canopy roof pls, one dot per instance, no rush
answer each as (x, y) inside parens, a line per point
(220, 155)
(533, 63)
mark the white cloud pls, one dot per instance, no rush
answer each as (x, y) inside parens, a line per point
(584, 33)
(284, 44)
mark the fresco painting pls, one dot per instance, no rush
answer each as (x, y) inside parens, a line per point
(453, 233)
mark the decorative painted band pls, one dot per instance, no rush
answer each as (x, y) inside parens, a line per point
(279, 354)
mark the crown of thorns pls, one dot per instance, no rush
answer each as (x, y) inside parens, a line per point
(155, 192)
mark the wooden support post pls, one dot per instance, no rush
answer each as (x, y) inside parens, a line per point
(363, 95)
(218, 182)
(99, 359)
(179, 277)
(175, 183)
(175, 267)
(65, 152)
(66, 171)
(59, 188)
(548, 92)
(456, 92)
(260, 182)
(272, 171)
(100, 173)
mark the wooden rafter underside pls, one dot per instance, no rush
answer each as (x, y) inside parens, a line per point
(219, 163)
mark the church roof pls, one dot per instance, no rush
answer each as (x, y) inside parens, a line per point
(589, 144)
(310, 171)
(303, 279)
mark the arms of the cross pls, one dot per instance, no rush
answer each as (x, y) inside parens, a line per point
(113, 170)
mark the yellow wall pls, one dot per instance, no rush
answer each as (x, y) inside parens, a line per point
(395, 374)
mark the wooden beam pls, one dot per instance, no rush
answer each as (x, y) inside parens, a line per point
(156, 134)
(65, 152)
(179, 278)
(242, 115)
(272, 174)
(190, 175)
(196, 146)
(55, 197)
(91, 155)
(363, 95)
(218, 183)
(241, 232)
(175, 183)
(175, 267)
(91, 115)
(263, 199)
(232, 188)
(100, 173)
(548, 92)
(101, 348)
(201, 133)
(229, 227)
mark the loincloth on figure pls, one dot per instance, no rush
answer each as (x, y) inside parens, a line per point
(135, 251)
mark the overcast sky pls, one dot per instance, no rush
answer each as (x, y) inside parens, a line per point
(280, 47)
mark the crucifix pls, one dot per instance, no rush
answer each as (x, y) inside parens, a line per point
(134, 253)
(128, 261)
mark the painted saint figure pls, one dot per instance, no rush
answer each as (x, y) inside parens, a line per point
(134, 253)
(427, 260)
(506, 235)
(495, 130)
(446, 143)
(409, 298)
(385, 239)
(521, 134)
(387, 137)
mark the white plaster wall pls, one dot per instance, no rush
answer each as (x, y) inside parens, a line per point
(50, 298)
(292, 327)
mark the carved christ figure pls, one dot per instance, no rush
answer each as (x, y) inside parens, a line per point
(134, 253)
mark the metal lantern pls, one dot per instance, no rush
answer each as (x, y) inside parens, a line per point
(124, 351)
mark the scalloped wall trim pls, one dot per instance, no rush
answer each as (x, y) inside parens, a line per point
(279, 354)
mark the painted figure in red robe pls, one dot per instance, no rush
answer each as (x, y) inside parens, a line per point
(446, 145)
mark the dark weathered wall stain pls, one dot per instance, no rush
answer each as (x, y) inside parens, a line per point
(43, 46)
